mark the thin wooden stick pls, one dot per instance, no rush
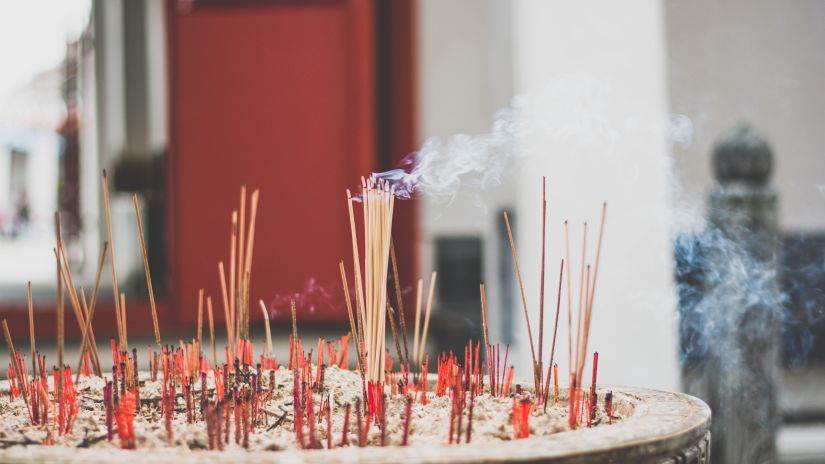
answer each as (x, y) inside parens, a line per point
(356, 258)
(226, 306)
(200, 321)
(152, 305)
(427, 316)
(60, 324)
(569, 299)
(250, 246)
(31, 328)
(18, 371)
(418, 295)
(589, 306)
(241, 240)
(233, 243)
(123, 320)
(523, 297)
(555, 330)
(541, 278)
(394, 331)
(582, 293)
(115, 289)
(294, 332)
(484, 323)
(353, 326)
(399, 301)
(212, 331)
(267, 328)
(88, 338)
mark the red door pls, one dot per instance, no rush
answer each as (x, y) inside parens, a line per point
(279, 96)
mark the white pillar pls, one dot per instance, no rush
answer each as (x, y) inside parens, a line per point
(599, 71)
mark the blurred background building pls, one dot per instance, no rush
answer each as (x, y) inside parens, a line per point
(183, 101)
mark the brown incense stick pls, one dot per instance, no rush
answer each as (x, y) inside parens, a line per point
(582, 293)
(233, 242)
(541, 278)
(399, 301)
(569, 298)
(88, 339)
(423, 346)
(359, 289)
(267, 328)
(390, 315)
(418, 295)
(523, 298)
(32, 347)
(60, 324)
(250, 245)
(115, 289)
(200, 320)
(152, 305)
(294, 331)
(484, 324)
(123, 320)
(212, 331)
(589, 306)
(353, 327)
(226, 306)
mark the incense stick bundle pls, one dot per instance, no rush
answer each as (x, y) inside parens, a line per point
(378, 200)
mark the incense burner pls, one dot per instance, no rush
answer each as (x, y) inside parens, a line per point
(655, 427)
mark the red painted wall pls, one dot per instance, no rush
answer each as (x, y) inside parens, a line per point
(279, 96)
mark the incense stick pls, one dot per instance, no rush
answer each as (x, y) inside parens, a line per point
(200, 320)
(88, 339)
(417, 319)
(523, 297)
(233, 242)
(115, 289)
(582, 293)
(226, 306)
(152, 305)
(353, 328)
(266, 327)
(484, 324)
(589, 306)
(31, 328)
(569, 298)
(423, 346)
(399, 300)
(541, 277)
(250, 245)
(212, 331)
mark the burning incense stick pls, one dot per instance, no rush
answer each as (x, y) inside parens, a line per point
(152, 305)
(212, 331)
(115, 289)
(427, 316)
(484, 325)
(523, 299)
(378, 201)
